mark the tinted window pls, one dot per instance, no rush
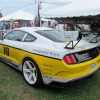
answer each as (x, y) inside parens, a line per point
(15, 35)
(54, 35)
(29, 38)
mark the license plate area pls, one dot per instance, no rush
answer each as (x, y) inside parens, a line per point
(93, 66)
(86, 55)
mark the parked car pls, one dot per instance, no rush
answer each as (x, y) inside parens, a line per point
(44, 57)
(91, 36)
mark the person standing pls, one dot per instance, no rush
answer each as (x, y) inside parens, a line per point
(36, 21)
(11, 24)
(0, 27)
(49, 23)
(54, 25)
(65, 27)
(16, 25)
(86, 27)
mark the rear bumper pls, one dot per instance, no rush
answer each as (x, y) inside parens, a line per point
(48, 80)
(84, 75)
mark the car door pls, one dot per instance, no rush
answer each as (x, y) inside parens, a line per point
(10, 45)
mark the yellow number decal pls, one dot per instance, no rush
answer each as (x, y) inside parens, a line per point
(6, 51)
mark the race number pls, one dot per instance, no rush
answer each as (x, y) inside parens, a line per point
(6, 51)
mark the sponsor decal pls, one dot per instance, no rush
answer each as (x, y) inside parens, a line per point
(54, 54)
(41, 52)
(47, 77)
(48, 53)
(68, 36)
(47, 69)
(47, 65)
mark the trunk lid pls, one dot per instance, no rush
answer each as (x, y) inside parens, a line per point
(81, 46)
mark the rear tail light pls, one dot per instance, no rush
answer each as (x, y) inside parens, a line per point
(70, 59)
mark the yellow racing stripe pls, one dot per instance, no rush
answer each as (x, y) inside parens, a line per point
(82, 47)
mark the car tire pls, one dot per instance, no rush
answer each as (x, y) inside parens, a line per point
(31, 72)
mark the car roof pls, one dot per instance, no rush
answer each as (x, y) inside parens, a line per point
(31, 30)
(36, 28)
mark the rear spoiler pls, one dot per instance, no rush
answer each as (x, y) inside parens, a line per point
(71, 44)
(97, 33)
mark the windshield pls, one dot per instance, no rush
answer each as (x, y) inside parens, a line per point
(54, 35)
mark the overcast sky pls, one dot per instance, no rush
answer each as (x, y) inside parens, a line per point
(10, 6)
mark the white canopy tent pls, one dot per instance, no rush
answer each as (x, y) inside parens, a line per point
(19, 15)
(76, 9)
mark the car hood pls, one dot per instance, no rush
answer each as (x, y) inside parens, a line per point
(81, 46)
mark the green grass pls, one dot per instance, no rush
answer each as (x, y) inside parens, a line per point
(13, 87)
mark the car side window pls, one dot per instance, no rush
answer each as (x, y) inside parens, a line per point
(29, 38)
(15, 35)
(9, 35)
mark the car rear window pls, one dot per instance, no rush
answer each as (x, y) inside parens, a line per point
(54, 35)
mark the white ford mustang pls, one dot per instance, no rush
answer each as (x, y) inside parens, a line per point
(44, 56)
